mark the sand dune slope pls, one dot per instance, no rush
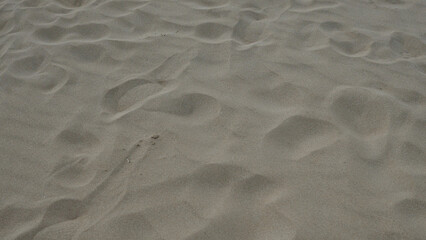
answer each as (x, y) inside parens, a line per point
(212, 119)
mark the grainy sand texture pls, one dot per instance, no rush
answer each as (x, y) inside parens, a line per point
(212, 119)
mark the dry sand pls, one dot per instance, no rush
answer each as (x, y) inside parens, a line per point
(213, 119)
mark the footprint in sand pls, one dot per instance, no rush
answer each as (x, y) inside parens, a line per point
(76, 137)
(351, 43)
(253, 192)
(29, 65)
(368, 117)
(72, 3)
(250, 28)
(346, 41)
(205, 4)
(133, 226)
(129, 94)
(411, 206)
(361, 110)
(187, 106)
(52, 79)
(60, 215)
(212, 32)
(298, 136)
(311, 5)
(242, 224)
(395, 4)
(407, 46)
(380, 52)
(81, 33)
(76, 173)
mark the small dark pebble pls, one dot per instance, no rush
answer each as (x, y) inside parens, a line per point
(138, 145)
(155, 136)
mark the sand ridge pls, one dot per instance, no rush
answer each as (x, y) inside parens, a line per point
(212, 119)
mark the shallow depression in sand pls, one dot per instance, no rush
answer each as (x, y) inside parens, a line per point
(194, 106)
(361, 110)
(298, 136)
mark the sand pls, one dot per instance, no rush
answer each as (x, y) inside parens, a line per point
(213, 119)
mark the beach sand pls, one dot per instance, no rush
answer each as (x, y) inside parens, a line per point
(213, 120)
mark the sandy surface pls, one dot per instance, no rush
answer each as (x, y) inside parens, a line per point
(213, 120)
